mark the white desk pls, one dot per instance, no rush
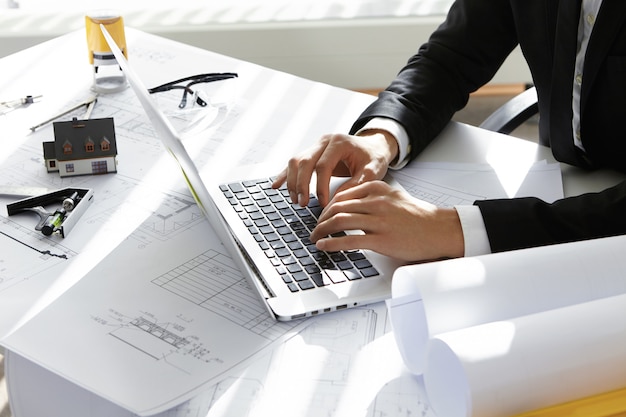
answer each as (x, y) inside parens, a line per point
(266, 110)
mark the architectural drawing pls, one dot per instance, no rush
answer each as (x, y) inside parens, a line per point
(169, 342)
(156, 303)
(212, 282)
(312, 390)
(333, 371)
(434, 193)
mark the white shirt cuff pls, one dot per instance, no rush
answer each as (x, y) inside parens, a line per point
(398, 132)
(474, 231)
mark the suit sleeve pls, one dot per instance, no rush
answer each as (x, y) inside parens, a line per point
(527, 222)
(461, 55)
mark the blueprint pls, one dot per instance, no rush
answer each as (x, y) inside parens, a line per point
(141, 305)
(141, 290)
(155, 285)
(343, 375)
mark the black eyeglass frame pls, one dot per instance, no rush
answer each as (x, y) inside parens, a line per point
(193, 79)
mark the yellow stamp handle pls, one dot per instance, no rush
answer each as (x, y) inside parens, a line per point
(96, 43)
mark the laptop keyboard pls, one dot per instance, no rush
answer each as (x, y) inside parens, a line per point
(282, 230)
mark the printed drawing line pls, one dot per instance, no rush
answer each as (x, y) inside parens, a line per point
(160, 332)
(166, 342)
(43, 252)
(211, 281)
(150, 338)
(439, 195)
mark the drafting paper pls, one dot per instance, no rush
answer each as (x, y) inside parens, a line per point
(434, 298)
(342, 376)
(142, 303)
(121, 299)
(478, 181)
(509, 367)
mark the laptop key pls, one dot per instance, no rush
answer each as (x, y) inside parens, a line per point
(345, 265)
(338, 257)
(266, 230)
(336, 276)
(273, 216)
(271, 237)
(306, 285)
(300, 276)
(363, 264)
(369, 272)
(236, 187)
(352, 274)
(318, 279)
(312, 269)
(307, 261)
(355, 256)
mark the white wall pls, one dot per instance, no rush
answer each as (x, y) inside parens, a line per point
(358, 53)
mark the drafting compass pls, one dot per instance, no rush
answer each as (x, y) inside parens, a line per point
(70, 204)
(90, 103)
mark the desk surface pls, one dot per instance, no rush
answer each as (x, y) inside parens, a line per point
(263, 111)
(144, 212)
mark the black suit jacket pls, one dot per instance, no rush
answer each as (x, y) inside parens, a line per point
(464, 54)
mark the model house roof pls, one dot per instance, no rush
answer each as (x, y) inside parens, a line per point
(82, 139)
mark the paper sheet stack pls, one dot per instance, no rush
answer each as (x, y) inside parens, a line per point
(508, 333)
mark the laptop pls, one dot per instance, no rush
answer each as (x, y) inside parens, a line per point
(267, 235)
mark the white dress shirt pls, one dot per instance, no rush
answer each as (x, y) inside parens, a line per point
(474, 231)
(588, 15)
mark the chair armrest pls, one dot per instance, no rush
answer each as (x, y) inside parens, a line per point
(513, 113)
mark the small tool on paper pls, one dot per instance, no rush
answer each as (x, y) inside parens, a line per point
(72, 203)
(90, 102)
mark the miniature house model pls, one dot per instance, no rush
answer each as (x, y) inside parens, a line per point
(82, 147)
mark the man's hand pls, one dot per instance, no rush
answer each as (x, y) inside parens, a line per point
(362, 158)
(394, 224)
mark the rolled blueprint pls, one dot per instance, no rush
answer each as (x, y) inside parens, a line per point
(514, 366)
(433, 298)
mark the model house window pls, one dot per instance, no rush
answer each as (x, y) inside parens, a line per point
(53, 164)
(105, 144)
(69, 167)
(99, 167)
(89, 145)
(67, 147)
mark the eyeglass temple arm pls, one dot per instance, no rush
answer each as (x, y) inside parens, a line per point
(200, 78)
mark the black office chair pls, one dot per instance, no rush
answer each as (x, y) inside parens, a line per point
(513, 113)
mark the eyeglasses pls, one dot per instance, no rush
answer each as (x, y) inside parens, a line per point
(194, 79)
